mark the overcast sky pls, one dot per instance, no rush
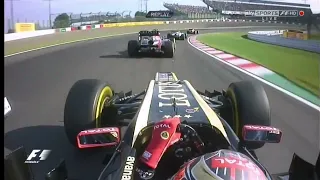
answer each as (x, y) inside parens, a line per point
(32, 10)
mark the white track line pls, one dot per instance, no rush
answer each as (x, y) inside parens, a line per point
(260, 79)
(99, 37)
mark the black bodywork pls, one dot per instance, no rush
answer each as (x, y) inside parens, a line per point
(147, 44)
(160, 109)
(199, 122)
(132, 114)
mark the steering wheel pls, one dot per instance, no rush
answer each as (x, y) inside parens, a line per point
(190, 144)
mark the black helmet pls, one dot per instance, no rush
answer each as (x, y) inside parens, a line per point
(220, 165)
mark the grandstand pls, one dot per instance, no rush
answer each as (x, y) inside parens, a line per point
(185, 9)
(236, 8)
(92, 18)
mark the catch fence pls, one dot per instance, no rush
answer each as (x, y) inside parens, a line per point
(101, 17)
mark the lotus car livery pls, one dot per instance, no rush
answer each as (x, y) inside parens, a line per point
(199, 135)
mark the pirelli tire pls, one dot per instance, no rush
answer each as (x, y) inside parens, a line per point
(84, 106)
(168, 49)
(250, 105)
(133, 46)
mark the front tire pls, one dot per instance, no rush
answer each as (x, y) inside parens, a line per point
(84, 106)
(250, 105)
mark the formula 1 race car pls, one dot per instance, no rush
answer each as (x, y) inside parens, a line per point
(172, 125)
(192, 31)
(178, 35)
(151, 42)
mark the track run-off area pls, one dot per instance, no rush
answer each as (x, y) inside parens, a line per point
(37, 84)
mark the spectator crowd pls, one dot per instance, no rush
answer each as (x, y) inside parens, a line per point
(234, 5)
(186, 8)
(247, 5)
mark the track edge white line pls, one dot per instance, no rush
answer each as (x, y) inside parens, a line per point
(298, 98)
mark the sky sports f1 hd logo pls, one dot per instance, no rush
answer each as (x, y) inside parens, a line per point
(37, 155)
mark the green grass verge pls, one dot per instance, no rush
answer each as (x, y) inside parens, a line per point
(16, 48)
(300, 67)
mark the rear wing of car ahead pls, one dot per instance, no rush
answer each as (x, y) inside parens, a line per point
(149, 33)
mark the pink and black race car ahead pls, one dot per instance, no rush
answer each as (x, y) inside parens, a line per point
(150, 42)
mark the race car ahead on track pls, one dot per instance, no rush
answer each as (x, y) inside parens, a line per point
(199, 135)
(192, 31)
(178, 35)
(151, 42)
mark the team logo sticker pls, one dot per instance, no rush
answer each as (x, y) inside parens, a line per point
(193, 110)
(146, 155)
(165, 135)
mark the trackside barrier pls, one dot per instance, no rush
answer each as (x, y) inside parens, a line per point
(64, 29)
(275, 39)
(269, 33)
(16, 36)
(22, 35)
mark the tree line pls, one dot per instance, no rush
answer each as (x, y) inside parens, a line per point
(64, 20)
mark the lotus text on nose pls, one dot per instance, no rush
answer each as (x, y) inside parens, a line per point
(170, 90)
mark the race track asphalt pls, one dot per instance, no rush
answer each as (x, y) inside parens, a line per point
(38, 82)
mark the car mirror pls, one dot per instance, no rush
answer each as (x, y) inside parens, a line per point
(99, 137)
(265, 134)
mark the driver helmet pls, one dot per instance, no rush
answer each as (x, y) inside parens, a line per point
(220, 165)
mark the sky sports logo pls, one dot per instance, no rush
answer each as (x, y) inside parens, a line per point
(274, 13)
(37, 155)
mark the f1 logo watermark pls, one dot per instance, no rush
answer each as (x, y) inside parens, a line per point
(38, 154)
